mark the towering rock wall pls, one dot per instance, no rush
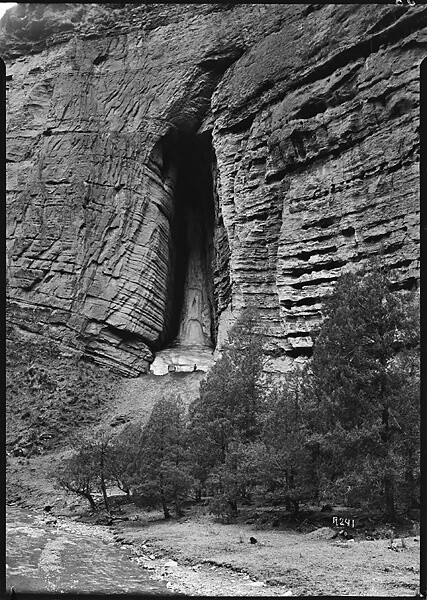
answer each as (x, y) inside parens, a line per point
(168, 165)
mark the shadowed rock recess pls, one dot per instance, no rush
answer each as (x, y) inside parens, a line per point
(168, 165)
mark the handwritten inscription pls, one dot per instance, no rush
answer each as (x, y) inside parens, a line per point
(342, 522)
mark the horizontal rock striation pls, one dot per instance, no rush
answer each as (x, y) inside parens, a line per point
(319, 151)
(291, 132)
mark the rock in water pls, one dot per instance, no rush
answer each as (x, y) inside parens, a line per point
(168, 165)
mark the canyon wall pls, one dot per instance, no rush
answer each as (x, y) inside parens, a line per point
(168, 165)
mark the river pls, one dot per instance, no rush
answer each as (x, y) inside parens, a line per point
(69, 557)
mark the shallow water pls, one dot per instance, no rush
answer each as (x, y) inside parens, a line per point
(69, 557)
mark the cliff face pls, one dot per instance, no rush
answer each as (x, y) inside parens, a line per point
(169, 164)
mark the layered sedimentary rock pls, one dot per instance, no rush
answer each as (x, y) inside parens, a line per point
(169, 164)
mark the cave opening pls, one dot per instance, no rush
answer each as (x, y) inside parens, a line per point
(191, 313)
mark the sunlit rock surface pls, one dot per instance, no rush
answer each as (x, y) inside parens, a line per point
(288, 133)
(182, 359)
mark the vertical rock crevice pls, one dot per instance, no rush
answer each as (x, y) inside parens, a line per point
(129, 242)
(191, 310)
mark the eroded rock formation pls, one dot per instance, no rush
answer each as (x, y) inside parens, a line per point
(169, 164)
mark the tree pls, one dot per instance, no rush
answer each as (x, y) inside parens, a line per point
(78, 475)
(162, 473)
(361, 390)
(232, 482)
(100, 448)
(286, 461)
(89, 469)
(125, 456)
(230, 402)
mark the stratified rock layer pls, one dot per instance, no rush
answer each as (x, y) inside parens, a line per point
(289, 131)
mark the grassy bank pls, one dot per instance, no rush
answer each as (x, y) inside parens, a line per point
(198, 556)
(225, 562)
(52, 395)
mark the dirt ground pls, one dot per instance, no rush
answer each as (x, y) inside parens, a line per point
(198, 556)
(224, 562)
(136, 397)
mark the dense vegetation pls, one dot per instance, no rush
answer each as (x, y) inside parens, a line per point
(344, 429)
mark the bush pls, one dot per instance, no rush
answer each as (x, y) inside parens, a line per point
(221, 509)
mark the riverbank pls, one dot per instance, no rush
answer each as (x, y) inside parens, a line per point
(199, 557)
(196, 556)
(48, 554)
(220, 559)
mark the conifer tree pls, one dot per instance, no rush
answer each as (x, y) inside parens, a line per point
(162, 473)
(362, 392)
(286, 464)
(231, 399)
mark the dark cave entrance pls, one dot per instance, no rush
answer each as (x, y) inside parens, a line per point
(191, 313)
